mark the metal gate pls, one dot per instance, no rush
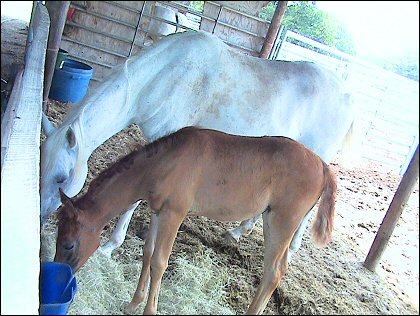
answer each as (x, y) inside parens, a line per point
(388, 103)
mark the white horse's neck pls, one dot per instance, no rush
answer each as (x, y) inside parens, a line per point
(113, 106)
(105, 115)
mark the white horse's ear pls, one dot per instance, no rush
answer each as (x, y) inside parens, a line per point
(71, 137)
(47, 125)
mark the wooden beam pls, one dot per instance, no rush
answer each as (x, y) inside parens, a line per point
(273, 29)
(20, 199)
(394, 212)
(58, 12)
(9, 114)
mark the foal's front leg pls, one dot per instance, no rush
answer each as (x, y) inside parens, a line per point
(169, 222)
(144, 280)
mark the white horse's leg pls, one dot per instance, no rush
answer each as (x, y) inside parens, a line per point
(244, 228)
(118, 236)
(297, 237)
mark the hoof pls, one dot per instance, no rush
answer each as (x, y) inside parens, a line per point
(106, 251)
(129, 310)
(230, 238)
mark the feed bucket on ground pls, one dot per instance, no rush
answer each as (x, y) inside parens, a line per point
(57, 288)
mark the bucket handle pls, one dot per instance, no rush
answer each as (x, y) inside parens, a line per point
(66, 287)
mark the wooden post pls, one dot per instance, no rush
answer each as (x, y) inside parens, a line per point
(393, 214)
(58, 12)
(273, 29)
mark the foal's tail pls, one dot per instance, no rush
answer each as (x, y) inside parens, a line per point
(324, 221)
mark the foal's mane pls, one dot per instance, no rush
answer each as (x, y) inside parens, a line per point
(160, 145)
(168, 141)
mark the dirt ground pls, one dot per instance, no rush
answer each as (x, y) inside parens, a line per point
(319, 281)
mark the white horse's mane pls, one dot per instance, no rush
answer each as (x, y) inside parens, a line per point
(75, 116)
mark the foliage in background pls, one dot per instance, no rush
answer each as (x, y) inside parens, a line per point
(406, 65)
(197, 5)
(267, 12)
(305, 18)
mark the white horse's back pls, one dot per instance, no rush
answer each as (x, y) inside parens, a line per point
(206, 83)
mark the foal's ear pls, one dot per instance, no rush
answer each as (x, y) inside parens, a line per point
(69, 211)
(65, 199)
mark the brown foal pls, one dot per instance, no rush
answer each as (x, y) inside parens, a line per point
(199, 172)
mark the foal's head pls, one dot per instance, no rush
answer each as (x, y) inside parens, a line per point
(77, 238)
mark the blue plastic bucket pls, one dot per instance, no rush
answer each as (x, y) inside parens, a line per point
(57, 288)
(70, 83)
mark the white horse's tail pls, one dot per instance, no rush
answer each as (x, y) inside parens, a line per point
(350, 147)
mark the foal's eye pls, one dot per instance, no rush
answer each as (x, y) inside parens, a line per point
(68, 246)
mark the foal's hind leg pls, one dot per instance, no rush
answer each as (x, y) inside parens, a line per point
(278, 232)
(244, 228)
(118, 236)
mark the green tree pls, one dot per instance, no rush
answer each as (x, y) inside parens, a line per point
(406, 65)
(267, 12)
(305, 18)
(197, 5)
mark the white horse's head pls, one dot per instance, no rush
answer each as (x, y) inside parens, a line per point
(63, 165)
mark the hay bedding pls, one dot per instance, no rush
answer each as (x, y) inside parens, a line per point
(207, 275)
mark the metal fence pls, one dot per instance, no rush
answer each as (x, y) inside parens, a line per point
(387, 102)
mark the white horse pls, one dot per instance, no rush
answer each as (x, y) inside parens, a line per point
(193, 78)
